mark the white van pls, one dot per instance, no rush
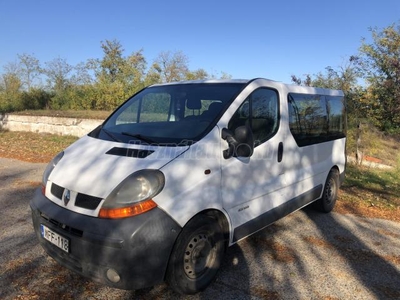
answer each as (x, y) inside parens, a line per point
(181, 171)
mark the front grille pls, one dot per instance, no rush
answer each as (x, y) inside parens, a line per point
(82, 200)
(57, 190)
(87, 201)
(62, 226)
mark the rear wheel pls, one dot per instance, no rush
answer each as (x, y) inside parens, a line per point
(330, 194)
(196, 256)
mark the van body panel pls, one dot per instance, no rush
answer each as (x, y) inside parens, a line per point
(193, 180)
(274, 214)
(296, 135)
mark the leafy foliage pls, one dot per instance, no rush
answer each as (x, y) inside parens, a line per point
(381, 67)
(378, 64)
(97, 84)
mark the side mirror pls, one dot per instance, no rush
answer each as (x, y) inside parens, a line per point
(241, 143)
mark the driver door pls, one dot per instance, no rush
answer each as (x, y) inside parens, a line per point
(251, 186)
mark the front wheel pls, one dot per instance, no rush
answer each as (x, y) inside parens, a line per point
(196, 256)
(330, 194)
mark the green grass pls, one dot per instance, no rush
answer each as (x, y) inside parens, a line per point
(373, 186)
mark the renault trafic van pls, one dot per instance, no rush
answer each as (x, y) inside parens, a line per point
(181, 171)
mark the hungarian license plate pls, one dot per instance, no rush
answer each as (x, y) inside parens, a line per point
(54, 238)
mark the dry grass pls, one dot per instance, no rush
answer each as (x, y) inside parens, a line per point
(374, 144)
(80, 114)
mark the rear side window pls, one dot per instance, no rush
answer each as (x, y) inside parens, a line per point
(316, 119)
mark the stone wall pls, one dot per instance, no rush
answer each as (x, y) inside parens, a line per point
(56, 125)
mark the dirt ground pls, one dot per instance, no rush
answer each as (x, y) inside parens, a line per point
(306, 255)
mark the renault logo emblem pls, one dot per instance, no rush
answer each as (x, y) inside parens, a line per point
(67, 197)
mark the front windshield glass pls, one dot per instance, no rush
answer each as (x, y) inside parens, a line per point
(170, 114)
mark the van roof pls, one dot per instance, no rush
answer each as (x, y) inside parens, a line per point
(291, 88)
(205, 81)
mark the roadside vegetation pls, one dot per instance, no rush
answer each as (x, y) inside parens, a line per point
(373, 190)
(94, 84)
(370, 80)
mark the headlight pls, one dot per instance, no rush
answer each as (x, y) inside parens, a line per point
(50, 168)
(133, 195)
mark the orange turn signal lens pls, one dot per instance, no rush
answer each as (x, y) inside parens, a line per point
(130, 211)
(43, 189)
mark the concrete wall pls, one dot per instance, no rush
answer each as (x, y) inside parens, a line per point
(56, 125)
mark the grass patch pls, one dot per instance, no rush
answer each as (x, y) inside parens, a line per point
(373, 187)
(79, 114)
(367, 190)
(370, 192)
(32, 147)
(374, 143)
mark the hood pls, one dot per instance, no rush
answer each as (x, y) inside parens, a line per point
(95, 167)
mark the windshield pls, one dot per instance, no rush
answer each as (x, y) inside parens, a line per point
(170, 114)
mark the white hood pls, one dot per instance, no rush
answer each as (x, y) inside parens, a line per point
(87, 168)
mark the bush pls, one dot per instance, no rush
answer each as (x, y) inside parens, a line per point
(35, 99)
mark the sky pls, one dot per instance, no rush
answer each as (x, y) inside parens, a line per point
(246, 39)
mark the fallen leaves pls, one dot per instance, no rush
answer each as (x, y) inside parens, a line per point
(32, 147)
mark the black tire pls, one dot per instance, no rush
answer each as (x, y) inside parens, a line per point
(330, 194)
(196, 256)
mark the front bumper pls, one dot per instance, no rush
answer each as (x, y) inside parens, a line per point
(138, 248)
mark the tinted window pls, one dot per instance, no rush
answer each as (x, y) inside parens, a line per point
(260, 112)
(315, 119)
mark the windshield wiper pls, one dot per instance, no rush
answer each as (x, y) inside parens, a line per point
(139, 137)
(111, 135)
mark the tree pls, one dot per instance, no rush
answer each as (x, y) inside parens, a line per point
(342, 78)
(172, 66)
(380, 64)
(58, 72)
(345, 78)
(10, 87)
(29, 69)
(112, 62)
(133, 70)
(198, 74)
(153, 75)
(81, 75)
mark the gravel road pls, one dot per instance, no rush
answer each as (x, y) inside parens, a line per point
(307, 255)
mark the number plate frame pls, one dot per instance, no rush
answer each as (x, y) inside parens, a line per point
(55, 238)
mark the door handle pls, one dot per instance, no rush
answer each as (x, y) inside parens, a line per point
(280, 151)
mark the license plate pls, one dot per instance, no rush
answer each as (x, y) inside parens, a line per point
(54, 238)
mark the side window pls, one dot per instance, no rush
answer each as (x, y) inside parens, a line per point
(260, 112)
(336, 121)
(316, 119)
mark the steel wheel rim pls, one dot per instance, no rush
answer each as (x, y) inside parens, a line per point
(199, 255)
(331, 191)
